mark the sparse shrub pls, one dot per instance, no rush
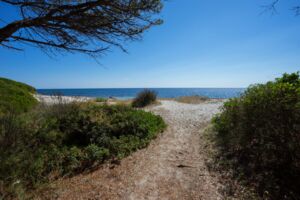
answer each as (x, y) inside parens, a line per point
(258, 136)
(144, 98)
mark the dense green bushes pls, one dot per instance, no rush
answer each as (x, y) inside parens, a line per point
(65, 139)
(144, 98)
(15, 96)
(258, 136)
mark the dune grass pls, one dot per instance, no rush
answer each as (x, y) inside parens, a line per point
(195, 99)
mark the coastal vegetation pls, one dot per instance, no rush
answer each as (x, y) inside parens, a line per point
(194, 99)
(101, 100)
(63, 139)
(256, 138)
(144, 98)
(15, 96)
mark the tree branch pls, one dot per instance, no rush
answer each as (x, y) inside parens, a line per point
(60, 46)
(76, 25)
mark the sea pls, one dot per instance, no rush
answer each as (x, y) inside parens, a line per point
(128, 93)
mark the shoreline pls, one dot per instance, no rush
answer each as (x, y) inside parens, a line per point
(130, 93)
(53, 99)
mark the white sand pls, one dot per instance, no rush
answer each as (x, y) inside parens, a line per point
(59, 99)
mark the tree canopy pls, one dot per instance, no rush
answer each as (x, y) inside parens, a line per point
(86, 26)
(272, 7)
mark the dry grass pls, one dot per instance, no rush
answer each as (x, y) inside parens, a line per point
(129, 102)
(120, 101)
(113, 101)
(196, 99)
(155, 103)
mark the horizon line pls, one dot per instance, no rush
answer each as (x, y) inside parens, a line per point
(143, 88)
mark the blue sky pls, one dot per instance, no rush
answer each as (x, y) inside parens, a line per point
(202, 43)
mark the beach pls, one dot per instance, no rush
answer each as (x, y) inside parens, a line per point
(52, 99)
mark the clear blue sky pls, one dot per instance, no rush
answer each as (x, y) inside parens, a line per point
(202, 43)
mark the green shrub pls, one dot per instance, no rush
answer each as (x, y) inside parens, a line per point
(65, 139)
(258, 136)
(144, 98)
(72, 160)
(100, 99)
(95, 153)
(15, 96)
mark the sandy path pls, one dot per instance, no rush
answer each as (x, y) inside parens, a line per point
(172, 167)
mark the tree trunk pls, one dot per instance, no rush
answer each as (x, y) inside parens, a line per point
(7, 31)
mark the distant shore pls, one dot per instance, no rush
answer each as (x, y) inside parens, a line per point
(52, 99)
(129, 93)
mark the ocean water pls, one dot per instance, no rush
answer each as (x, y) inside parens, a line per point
(127, 93)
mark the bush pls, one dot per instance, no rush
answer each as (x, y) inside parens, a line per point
(65, 139)
(15, 96)
(101, 100)
(95, 153)
(144, 98)
(258, 136)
